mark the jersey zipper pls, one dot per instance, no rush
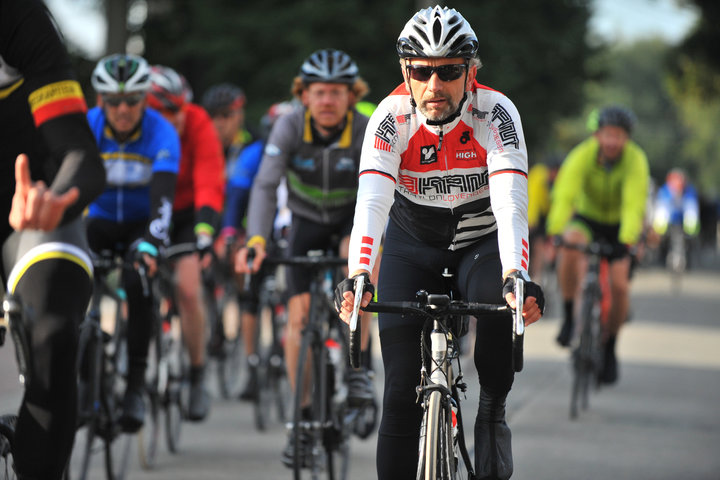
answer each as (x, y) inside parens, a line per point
(121, 150)
(442, 152)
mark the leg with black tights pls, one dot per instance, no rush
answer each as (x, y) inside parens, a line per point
(140, 324)
(406, 268)
(479, 277)
(56, 293)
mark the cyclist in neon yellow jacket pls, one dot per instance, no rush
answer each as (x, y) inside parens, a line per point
(600, 194)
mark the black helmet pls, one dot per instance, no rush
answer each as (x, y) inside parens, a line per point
(329, 66)
(224, 96)
(617, 116)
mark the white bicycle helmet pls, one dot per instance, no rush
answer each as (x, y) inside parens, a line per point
(437, 32)
(329, 66)
(121, 73)
(168, 90)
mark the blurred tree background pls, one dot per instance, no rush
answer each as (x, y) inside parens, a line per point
(540, 53)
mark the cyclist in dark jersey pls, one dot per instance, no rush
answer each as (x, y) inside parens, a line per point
(317, 150)
(45, 261)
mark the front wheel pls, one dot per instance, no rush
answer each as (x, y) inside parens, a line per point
(437, 459)
(585, 358)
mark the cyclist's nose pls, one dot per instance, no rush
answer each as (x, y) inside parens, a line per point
(434, 83)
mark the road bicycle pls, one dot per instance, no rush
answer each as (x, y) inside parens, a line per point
(102, 370)
(587, 351)
(273, 390)
(322, 440)
(442, 451)
(167, 374)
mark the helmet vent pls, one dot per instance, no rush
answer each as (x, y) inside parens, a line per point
(437, 30)
(422, 35)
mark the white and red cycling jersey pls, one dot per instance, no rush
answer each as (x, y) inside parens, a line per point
(448, 184)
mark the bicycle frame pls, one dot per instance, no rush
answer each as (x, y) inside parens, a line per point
(442, 442)
(587, 354)
(328, 426)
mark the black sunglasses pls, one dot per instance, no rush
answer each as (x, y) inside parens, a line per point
(130, 100)
(446, 73)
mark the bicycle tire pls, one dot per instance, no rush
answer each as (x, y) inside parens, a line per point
(149, 435)
(585, 362)
(113, 386)
(230, 358)
(117, 456)
(319, 459)
(272, 388)
(88, 345)
(7, 435)
(434, 452)
(175, 393)
(307, 375)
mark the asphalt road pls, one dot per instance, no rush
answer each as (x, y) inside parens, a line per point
(661, 421)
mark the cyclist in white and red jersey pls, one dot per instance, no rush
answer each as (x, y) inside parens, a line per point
(445, 157)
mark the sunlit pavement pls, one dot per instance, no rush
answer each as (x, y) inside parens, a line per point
(661, 421)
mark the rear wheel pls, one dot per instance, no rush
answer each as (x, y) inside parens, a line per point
(7, 434)
(176, 393)
(227, 340)
(117, 444)
(149, 435)
(273, 390)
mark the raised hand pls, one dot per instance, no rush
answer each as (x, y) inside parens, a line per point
(34, 205)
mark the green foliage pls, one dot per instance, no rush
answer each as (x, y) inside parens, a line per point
(533, 50)
(700, 116)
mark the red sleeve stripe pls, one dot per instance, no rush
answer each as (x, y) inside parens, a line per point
(524, 243)
(524, 264)
(58, 109)
(378, 172)
(365, 261)
(525, 254)
(56, 99)
(365, 251)
(367, 240)
(381, 144)
(509, 170)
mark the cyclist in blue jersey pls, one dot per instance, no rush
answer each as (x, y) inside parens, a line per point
(241, 172)
(676, 203)
(141, 151)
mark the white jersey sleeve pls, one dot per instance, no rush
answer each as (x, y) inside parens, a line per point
(507, 169)
(379, 164)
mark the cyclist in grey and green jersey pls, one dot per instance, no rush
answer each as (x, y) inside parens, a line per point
(317, 149)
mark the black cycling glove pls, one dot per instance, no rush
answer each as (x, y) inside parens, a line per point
(531, 289)
(348, 285)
